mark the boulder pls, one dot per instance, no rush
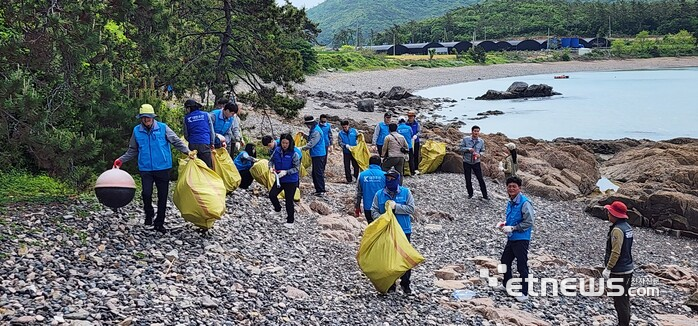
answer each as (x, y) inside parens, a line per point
(519, 90)
(397, 93)
(692, 302)
(366, 105)
(453, 163)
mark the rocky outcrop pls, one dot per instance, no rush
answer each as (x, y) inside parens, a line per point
(365, 106)
(396, 93)
(519, 90)
(659, 184)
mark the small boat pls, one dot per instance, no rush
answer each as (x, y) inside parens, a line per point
(561, 77)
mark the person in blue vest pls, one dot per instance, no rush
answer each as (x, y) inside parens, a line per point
(150, 143)
(326, 128)
(368, 184)
(380, 132)
(285, 164)
(402, 204)
(243, 162)
(406, 131)
(318, 154)
(198, 131)
(618, 258)
(223, 120)
(416, 146)
(518, 227)
(347, 139)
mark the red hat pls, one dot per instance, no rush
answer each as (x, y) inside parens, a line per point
(617, 209)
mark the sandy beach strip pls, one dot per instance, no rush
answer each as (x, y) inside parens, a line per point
(419, 78)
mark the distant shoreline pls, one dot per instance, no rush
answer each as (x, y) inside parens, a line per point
(414, 79)
(419, 78)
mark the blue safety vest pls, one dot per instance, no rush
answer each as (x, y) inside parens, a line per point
(406, 132)
(514, 217)
(320, 149)
(221, 124)
(153, 148)
(240, 164)
(198, 131)
(372, 180)
(400, 198)
(384, 131)
(348, 138)
(284, 161)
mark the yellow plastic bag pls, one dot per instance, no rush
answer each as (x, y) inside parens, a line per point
(306, 161)
(260, 173)
(199, 193)
(296, 196)
(385, 254)
(433, 154)
(360, 152)
(302, 172)
(226, 169)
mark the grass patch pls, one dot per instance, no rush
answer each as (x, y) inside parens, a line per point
(22, 187)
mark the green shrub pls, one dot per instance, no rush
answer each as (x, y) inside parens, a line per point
(21, 186)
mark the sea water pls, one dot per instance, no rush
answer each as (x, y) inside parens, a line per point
(638, 104)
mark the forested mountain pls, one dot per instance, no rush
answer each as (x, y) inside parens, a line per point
(504, 19)
(334, 16)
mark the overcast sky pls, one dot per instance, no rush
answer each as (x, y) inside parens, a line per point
(301, 3)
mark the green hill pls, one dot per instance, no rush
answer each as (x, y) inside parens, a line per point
(334, 16)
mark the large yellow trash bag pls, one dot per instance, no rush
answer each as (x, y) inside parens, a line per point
(302, 172)
(360, 152)
(433, 154)
(226, 169)
(260, 173)
(300, 141)
(199, 193)
(385, 254)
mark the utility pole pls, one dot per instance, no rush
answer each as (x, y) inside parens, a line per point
(394, 42)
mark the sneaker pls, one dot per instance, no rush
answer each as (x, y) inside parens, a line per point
(160, 229)
(288, 225)
(486, 198)
(500, 288)
(406, 289)
(470, 196)
(274, 213)
(319, 194)
(416, 172)
(391, 288)
(522, 298)
(148, 221)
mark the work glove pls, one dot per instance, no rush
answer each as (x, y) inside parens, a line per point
(414, 137)
(606, 273)
(507, 229)
(347, 147)
(237, 146)
(501, 166)
(192, 154)
(357, 212)
(392, 205)
(272, 170)
(282, 173)
(500, 225)
(118, 163)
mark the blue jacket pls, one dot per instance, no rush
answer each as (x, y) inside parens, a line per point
(286, 161)
(197, 128)
(368, 184)
(316, 142)
(277, 143)
(347, 138)
(406, 132)
(380, 133)
(222, 125)
(327, 131)
(404, 208)
(243, 161)
(416, 128)
(153, 148)
(520, 215)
